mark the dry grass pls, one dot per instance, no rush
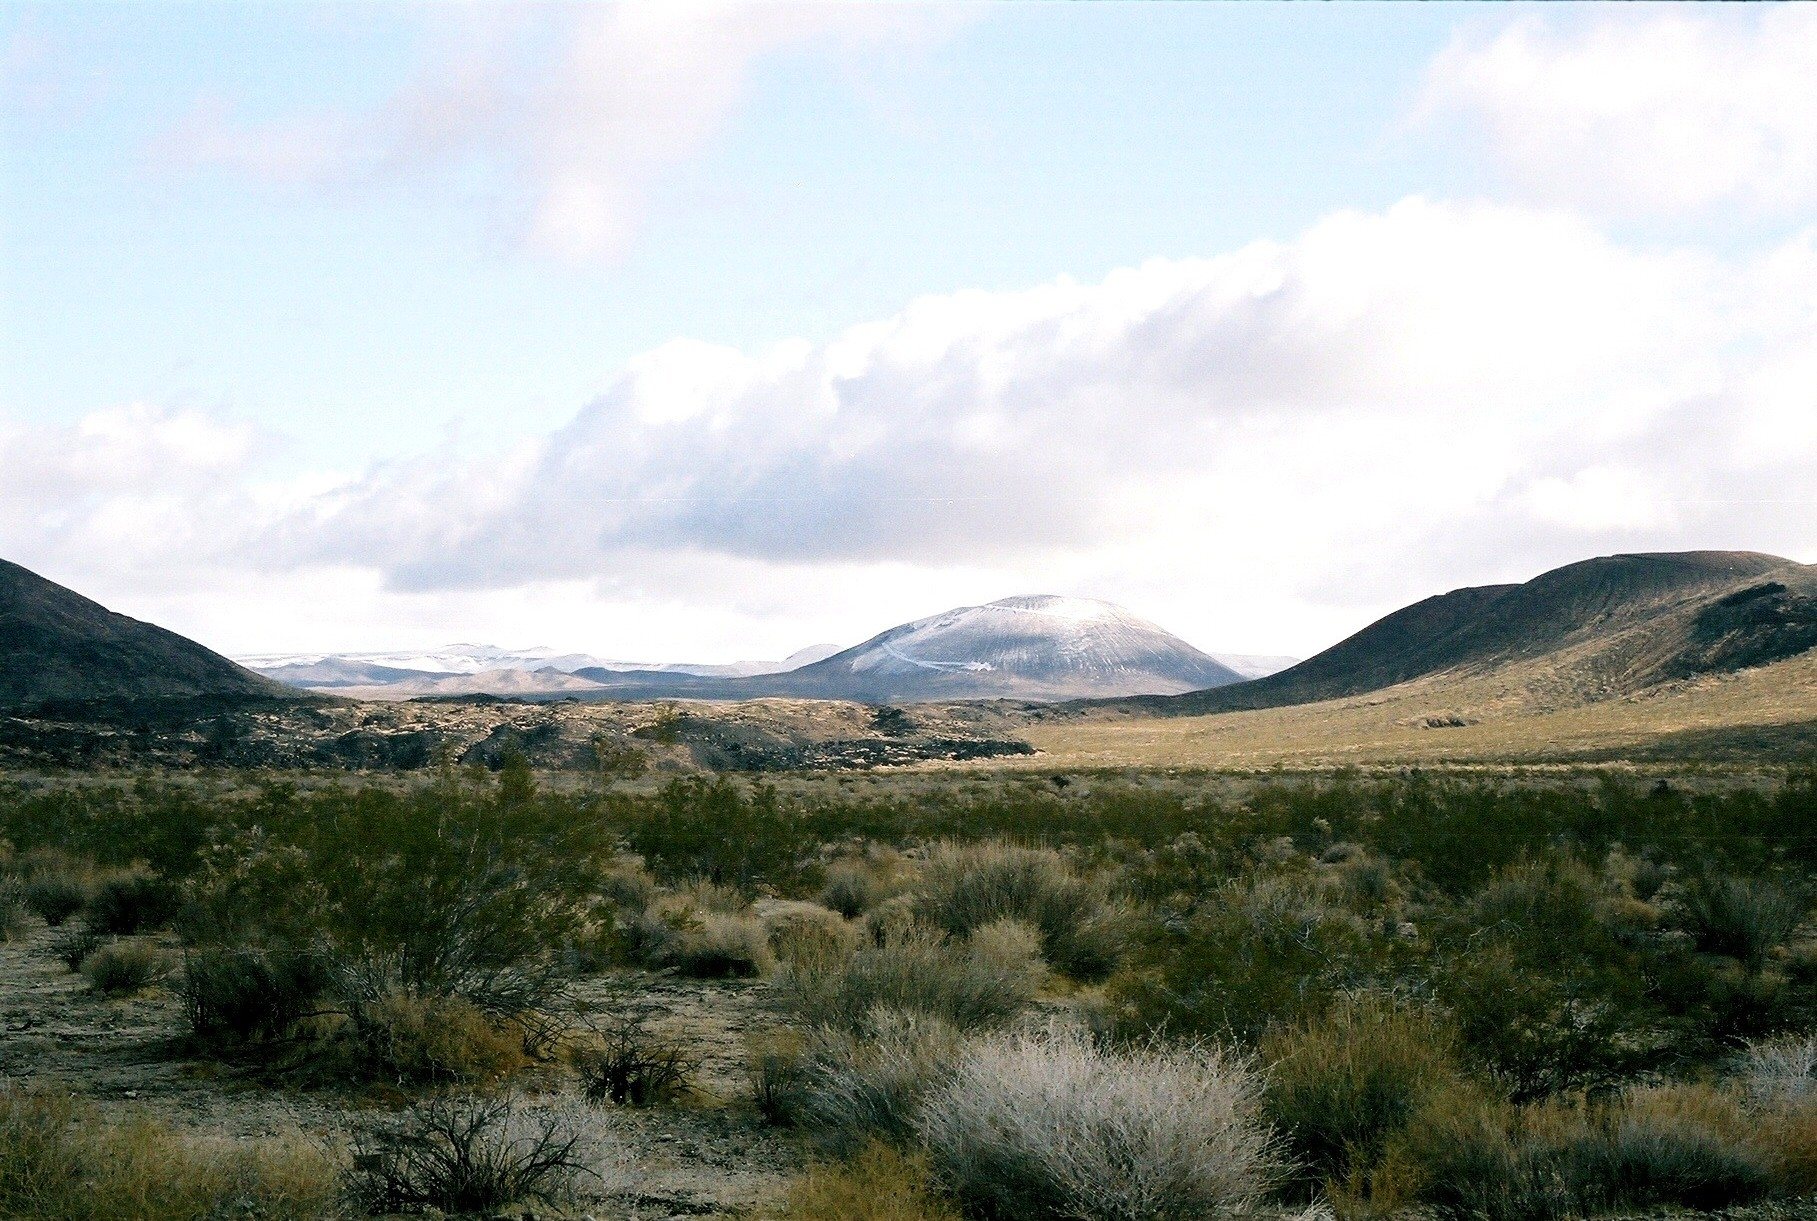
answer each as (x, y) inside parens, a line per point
(1049, 1125)
(851, 1086)
(61, 1161)
(1508, 718)
(878, 1184)
(978, 982)
(122, 968)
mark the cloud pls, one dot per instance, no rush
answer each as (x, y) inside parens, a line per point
(1351, 393)
(1681, 111)
(571, 115)
(1259, 449)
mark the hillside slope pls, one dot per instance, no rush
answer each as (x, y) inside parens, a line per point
(56, 645)
(1589, 631)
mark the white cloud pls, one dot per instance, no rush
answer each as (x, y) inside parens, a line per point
(1259, 449)
(1693, 108)
(577, 112)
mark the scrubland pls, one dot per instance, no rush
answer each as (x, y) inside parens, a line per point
(1085, 995)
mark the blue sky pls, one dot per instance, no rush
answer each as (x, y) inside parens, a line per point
(354, 299)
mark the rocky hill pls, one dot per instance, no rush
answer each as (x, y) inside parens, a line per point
(57, 646)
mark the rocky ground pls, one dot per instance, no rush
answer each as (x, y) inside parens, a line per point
(771, 735)
(708, 1155)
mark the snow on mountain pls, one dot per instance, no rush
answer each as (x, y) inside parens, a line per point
(1039, 647)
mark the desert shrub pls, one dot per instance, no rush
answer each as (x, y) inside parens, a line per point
(714, 945)
(806, 932)
(1257, 952)
(1788, 1136)
(1478, 1157)
(969, 983)
(1550, 978)
(775, 1061)
(249, 996)
(1781, 1071)
(626, 884)
(421, 1039)
(1048, 1124)
(963, 887)
(879, 1183)
(1742, 918)
(1682, 1146)
(851, 888)
(121, 968)
(74, 943)
(15, 915)
(464, 1155)
(478, 888)
(61, 1161)
(852, 1085)
(56, 894)
(1341, 1085)
(625, 1062)
(131, 901)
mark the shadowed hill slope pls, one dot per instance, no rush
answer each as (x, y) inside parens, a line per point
(1585, 632)
(57, 646)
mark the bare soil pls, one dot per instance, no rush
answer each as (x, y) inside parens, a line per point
(708, 1155)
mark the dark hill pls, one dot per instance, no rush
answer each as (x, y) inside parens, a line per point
(58, 647)
(1588, 631)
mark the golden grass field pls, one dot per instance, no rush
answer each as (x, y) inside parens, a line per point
(1768, 713)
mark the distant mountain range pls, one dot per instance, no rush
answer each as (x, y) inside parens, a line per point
(1614, 628)
(483, 668)
(1030, 648)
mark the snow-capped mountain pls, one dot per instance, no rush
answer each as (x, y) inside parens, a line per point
(483, 668)
(1030, 648)
(1041, 647)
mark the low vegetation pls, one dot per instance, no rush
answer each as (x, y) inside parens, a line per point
(62, 1161)
(1122, 996)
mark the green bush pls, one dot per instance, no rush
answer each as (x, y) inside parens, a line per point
(972, 983)
(1341, 1086)
(1742, 918)
(628, 1063)
(236, 997)
(122, 968)
(74, 943)
(15, 916)
(56, 895)
(963, 887)
(1478, 1157)
(131, 901)
(1255, 953)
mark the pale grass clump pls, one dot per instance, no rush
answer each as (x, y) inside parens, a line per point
(852, 1086)
(807, 932)
(721, 945)
(973, 983)
(61, 1160)
(123, 968)
(1781, 1071)
(1048, 1124)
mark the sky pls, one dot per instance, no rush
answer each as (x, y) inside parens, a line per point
(708, 331)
